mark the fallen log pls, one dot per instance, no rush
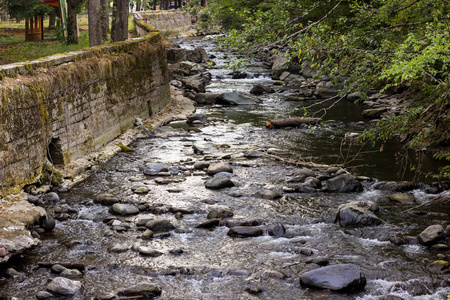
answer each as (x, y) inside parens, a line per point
(291, 122)
(300, 163)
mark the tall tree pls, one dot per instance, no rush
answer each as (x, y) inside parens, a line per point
(95, 30)
(104, 18)
(119, 29)
(52, 18)
(72, 22)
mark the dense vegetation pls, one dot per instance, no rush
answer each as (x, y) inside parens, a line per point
(395, 46)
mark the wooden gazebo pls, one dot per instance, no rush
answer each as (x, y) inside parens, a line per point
(34, 26)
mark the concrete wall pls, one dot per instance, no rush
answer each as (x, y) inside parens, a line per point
(162, 19)
(70, 105)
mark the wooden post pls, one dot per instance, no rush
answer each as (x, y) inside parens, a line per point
(41, 18)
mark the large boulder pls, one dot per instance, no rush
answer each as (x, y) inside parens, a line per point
(219, 182)
(123, 209)
(155, 169)
(64, 286)
(342, 278)
(431, 235)
(198, 55)
(344, 183)
(261, 89)
(235, 98)
(219, 167)
(159, 225)
(208, 98)
(245, 231)
(280, 65)
(357, 214)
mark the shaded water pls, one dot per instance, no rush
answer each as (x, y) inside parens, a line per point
(214, 265)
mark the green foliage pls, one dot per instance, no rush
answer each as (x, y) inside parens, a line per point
(393, 46)
(237, 64)
(21, 9)
(123, 148)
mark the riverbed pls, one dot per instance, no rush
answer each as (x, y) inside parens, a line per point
(207, 263)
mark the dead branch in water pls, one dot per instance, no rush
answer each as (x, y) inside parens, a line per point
(299, 163)
(291, 122)
(443, 195)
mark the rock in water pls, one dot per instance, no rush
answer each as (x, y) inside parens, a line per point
(344, 183)
(345, 277)
(245, 231)
(145, 290)
(219, 167)
(159, 225)
(64, 286)
(431, 235)
(124, 209)
(220, 182)
(234, 98)
(357, 214)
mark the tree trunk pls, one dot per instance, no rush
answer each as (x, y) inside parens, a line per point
(119, 31)
(52, 19)
(138, 5)
(104, 18)
(291, 122)
(72, 22)
(95, 30)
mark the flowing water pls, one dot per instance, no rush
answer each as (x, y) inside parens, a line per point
(214, 265)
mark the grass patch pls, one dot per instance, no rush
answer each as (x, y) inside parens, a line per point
(33, 50)
(6, 39)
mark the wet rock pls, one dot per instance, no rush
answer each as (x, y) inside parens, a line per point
(268, 194)
(160, 225)
(71, 273)
(176, 251)
(154, 169)
(344, 183)
(149, 252)
(344, 277)
(353, 97)
(51, 197)
(277, 230)
(397, 186)
(195, 83)
(254, 290)
(391, 297)
(146, 235)
(48, 223)
(64, 286)
(431, 235)
(312, 183)
(224, 174)
(332, 170)
(209, 224)
(236, 98)
(33, 199)
(11, 272)
(440, 247)
(141, 190)
(245, 231)
(106, 199)
(357, 214)
(240, 75)
(219, 182)
(43, 295)
(252, 154)
(374, 113)
(327, 89)
(399, 240)
(220, 167)
(202, 148)
(208, 98)
(305, 172)
(306, 252)
(280, 65)
(57, 268)
(201, 164)
(197, 117)
(119, 248)
(260, 90)
(144, 290)
(404, 198)
(220, 213)
(123, 209)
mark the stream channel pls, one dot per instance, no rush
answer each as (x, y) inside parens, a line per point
(212, 264)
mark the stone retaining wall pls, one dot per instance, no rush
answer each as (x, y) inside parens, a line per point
(62, 107)
(164, 19)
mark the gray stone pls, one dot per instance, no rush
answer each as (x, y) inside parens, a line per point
(268, 194)
(219, 182)
(431, 235)
(374, 113)
(159, 225)
(357, 214)
(344, 183)
(219, 167)
(197, 117)
(220, 213)
(208, 98)
(71, 273)
(201, 164)
(148, 234)
(224, 174)
(209, 224)
(154, 169)
(332, 170)
(277, 230)
(202, 148)
(344, 277)
(58, 268)
(404, 198)
(43, 295)
(106, 199)
(305, 172)
(64, 286)
(280, 65)
(51, 197)
(326, 89)
(252, 154)
(245, 231)
(353, 97)
(141, 190)
(145, 290)
(237, 98)
(123, 209)
(119, 248)
(149, 252)
(261, 89)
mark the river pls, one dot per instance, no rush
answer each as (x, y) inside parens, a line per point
(212, 264)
